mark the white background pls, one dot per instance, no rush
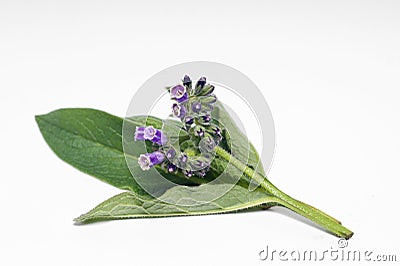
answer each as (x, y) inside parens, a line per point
(328, 69)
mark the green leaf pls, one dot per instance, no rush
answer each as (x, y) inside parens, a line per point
(91, 141)
(235, 141)
(132, 205)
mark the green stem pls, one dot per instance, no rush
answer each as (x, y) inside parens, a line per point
(324, 220)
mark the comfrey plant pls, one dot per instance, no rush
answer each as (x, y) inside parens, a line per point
(202, 144)
(193, 106)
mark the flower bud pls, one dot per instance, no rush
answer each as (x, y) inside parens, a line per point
(199, 130)
(205, 119)
(201, 82)
(171, 168)
(189, 121)
(188, 173)
(170, 154)
(187, 82)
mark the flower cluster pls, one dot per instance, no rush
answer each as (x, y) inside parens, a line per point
(193, 106)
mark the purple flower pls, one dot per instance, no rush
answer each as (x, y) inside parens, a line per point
(196, 107)
(179, 93)
(148, 160)
(178, 110)
(160, 138)
(139, 133)
(150, 133)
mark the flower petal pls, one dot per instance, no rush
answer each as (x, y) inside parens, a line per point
(156, 157)
(159, 138)
(139, 133)
(144, 162)
(149, 132)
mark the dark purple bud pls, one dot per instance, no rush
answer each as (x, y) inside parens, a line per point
(139, 133)
(183, 158)
(188, 120)
(171, 168)
(206, 118)
(196, 107)
(200, 132)
(201, 82)
(179, 93)
(148, 160)
(188, 173)
(217, 130)
(187, 81)
(178, 110)
(170, 154)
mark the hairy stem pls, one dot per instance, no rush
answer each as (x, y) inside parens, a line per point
(324, 220)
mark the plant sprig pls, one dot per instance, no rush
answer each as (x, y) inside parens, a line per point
(91, 141)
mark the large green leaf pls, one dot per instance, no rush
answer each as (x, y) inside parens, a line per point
(132, 205)
(91, 141)
(235, 141)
